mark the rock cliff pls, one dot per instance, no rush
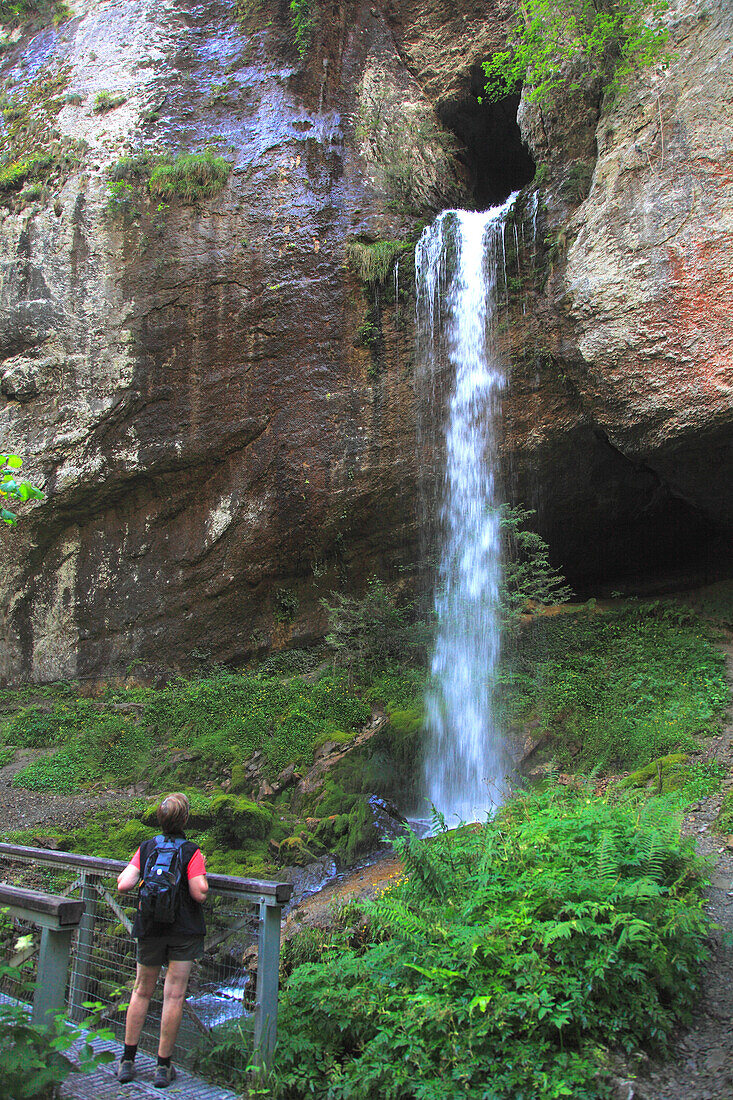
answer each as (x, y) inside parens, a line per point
(223, 408)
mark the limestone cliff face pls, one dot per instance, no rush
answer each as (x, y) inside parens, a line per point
(218, 451)
(636, 317)
(225, 416)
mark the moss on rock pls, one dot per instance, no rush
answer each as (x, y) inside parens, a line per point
(668, 773)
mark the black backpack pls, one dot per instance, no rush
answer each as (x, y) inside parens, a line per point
(160, 893)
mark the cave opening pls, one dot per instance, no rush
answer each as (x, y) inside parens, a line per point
(668, 546)
(496, 160)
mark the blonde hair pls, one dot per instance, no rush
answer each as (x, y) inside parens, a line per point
(173, 812)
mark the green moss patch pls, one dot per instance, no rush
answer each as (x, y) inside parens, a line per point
(669, 773)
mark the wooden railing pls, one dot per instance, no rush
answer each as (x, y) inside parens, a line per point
(95, 899)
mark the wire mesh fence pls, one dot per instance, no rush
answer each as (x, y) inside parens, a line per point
(102, 966)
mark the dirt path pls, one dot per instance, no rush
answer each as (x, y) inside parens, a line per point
(21, 809)
(702, 1064)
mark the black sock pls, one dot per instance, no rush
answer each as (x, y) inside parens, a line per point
(130, 1052)
(164, 1061)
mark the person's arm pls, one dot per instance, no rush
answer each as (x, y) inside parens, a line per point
(128, 879)
(198, 887)
(198, 884)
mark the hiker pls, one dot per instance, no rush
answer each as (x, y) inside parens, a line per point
(169, 929)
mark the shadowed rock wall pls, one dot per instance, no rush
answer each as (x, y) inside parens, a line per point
(225, 415)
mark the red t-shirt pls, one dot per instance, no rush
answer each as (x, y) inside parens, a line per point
(196, 865)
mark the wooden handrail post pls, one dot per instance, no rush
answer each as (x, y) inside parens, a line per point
(268, 976)
(79, 982)
(53, 967)
(58, 918)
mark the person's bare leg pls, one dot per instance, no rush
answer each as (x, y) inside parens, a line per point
(142, 991)
(174, 994)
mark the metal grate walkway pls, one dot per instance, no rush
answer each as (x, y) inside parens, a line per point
(101, 1084)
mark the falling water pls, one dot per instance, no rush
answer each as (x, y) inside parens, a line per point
(456, 266)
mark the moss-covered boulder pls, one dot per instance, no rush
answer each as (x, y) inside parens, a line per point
(294, 851)
(668, 773)
(236, 819)
(231, 819)
(348, 835)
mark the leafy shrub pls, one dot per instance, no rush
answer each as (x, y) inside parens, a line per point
(190, 176)
(570, 43)
(286, 605)
(303, 20)
(523, 945)
(15, 12)
(32, 1061)
(367, 635)
(289, 662)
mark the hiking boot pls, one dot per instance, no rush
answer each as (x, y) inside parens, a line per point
(164, 1075)
(125, 1071)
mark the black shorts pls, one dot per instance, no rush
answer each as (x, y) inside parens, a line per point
(159, 950)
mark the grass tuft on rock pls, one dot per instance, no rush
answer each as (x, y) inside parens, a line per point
(373, 262)
(190, 176)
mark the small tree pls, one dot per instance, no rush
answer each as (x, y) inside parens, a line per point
(14, 488)
(529, 577)
(369, 633)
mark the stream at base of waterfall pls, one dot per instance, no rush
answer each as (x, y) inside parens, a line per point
(457, 261)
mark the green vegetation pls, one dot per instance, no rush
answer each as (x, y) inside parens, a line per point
(189, 176)
(185, 732)
(530, 945)
(106, 101)
(32, 1062)
(12, 486)
(373, 261)
(303, 19)
(286, 605)
(367, 634)
(615, 689)
(31, 146)
(13, 13)
(567, 43)
(528, 578)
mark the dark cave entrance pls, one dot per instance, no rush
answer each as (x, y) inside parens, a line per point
(495, 158)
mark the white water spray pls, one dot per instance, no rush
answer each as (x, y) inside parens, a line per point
(456, 269)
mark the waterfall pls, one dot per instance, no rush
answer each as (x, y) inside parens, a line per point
(456, 263)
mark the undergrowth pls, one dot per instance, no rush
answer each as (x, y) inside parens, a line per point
(616, 689)
(513, 956)
(31, 146)
(188, 731)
